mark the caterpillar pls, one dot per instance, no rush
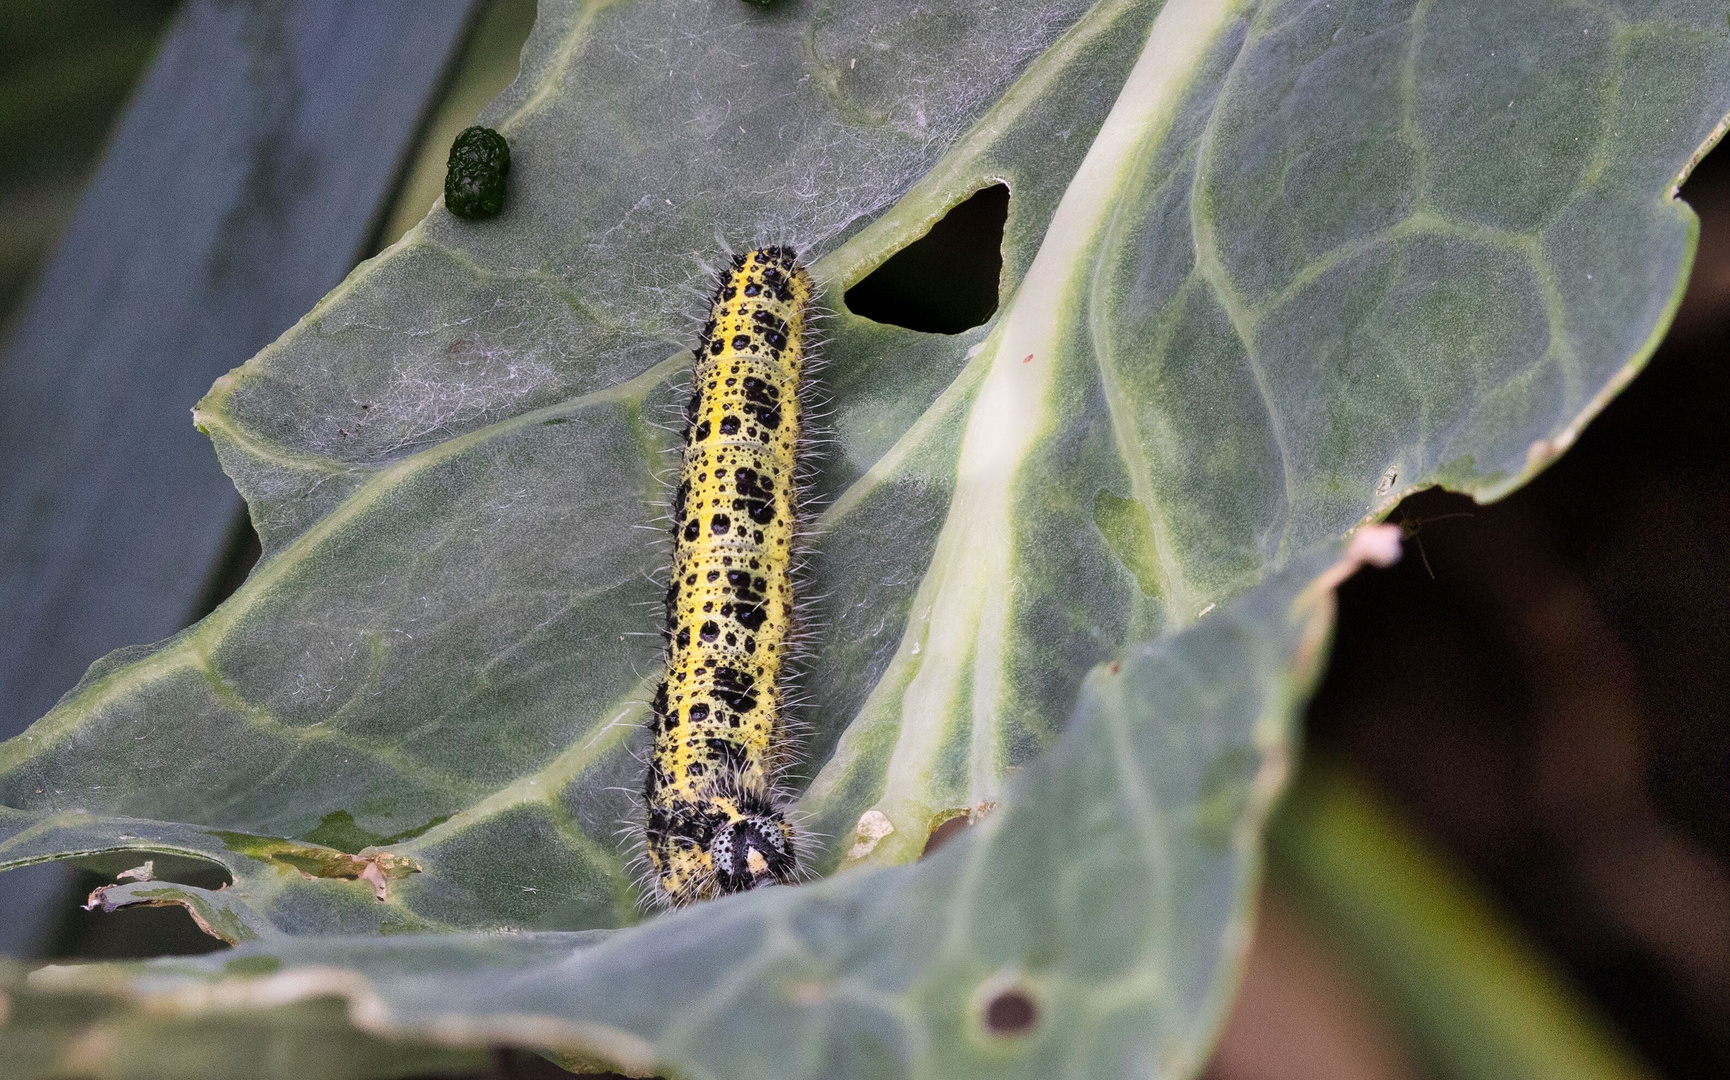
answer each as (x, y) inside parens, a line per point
(715, 823)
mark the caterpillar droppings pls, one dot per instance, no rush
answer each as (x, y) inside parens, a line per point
(715, 823)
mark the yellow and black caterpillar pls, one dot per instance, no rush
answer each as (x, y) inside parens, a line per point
(715, 822)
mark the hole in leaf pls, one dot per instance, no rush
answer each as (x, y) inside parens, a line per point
(1011, 1012)
(945, 282)
(944, 833)
(132, 933)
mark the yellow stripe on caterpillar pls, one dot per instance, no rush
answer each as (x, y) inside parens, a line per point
(715, 824)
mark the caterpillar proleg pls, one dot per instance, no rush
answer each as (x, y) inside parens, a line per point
(715, 823)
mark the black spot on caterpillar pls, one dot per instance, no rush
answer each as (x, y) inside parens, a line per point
(714, 822)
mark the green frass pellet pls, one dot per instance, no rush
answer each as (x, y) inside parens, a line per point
(475, 176)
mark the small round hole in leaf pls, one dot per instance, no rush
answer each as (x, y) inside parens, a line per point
(1011, 1012)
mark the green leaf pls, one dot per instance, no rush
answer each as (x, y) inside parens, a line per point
(1107, 892)
(94, 1034)
(1266, 269)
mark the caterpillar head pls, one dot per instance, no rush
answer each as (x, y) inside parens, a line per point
(733, 840)
(752, 850)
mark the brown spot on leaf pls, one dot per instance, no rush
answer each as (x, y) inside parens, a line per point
(873, 826)
(373, 865)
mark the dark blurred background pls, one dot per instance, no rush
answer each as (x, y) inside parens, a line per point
(66, 69)
(1540, 686)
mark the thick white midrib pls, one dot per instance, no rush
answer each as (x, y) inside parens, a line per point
(973, 559)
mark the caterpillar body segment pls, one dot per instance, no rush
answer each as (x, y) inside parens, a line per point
(715, 823)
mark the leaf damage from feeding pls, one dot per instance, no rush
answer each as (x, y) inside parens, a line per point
(219, 913)
(372, 865)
